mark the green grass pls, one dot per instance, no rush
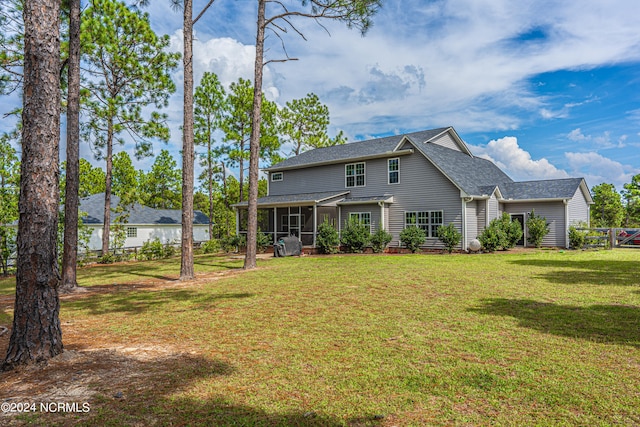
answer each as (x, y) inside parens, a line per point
(522, 338)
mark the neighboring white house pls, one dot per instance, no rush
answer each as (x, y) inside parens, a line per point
(144, 223)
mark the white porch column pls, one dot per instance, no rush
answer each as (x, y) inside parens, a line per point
(315, 223)
(275, 225)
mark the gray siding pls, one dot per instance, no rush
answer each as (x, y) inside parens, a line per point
(423, 188)
(446, 141)
(578, 209)
(481, 216)
(494, 208)
(554, 212)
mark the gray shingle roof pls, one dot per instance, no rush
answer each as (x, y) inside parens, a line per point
(473, 175)
(544, 189)
(296, 198)
(93, 206)
(353, 150)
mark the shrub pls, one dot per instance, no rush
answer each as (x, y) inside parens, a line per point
(492, 237)
(152, 249)
(169, 250)
(327, 239)
(211, 246)
(263, 241)
(108, 258)
(380, 239)
(538, 228)
(577, 238)
(355, 236)
(512, 230)
(233, 243)
(450, 236)
(412, 237)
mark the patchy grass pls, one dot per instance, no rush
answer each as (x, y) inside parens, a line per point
(517, 338)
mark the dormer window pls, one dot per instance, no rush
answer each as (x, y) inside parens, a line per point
(277, 176)
(354, 174)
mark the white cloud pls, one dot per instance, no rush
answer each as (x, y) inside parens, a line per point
(516, 162)
(602, 141)
(598, 169)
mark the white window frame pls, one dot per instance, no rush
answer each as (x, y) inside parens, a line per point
(359, 216)
(277, 174)
(389, 171)
(132, 232)
(355, 175)
(426, 221)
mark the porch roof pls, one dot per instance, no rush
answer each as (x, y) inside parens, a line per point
(295, 199)
(387, 198)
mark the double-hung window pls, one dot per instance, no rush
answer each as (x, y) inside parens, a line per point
(363, 218)
(429, 221)
(354, 174)
(393, 166)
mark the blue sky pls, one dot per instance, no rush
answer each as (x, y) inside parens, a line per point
(545, 89)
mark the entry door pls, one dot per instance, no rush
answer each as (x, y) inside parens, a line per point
(520, 219)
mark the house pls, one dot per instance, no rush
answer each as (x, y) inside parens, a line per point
(428, 179)
(143, 224)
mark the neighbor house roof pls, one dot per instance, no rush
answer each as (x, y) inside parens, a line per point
(93, 207)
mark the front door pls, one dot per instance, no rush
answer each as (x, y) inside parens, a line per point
(520, 219)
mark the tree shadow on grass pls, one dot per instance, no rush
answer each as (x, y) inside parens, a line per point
(570, 272)
(137, 302)
(612, 324)
(145, 387)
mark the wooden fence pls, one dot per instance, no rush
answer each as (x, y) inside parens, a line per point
(612, 237)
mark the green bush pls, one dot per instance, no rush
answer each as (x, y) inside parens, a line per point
(512, 230)
(492, 237)
(380, 239)
(211, 246)
(355, 236)
(263, 241)
(577, 238)
(450, 236)
(412, 237)
(538, 228)
(327, 240)
(108, 258)
(233, 243)
(152, 249)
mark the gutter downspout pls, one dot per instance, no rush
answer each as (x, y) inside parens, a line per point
(465, 200)
(566, 223)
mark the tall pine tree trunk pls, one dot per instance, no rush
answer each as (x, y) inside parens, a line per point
(107, 190)
(36, 335)
(186, 262)
(254, 145)
(70, 254)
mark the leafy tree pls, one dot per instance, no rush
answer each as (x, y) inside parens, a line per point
(210, 105)
(631, 194)
(160, 187)
(36, 335)
(128, 69)
(327, 239)
(538, 228)
(304, 124)
(9, 186)
(413, 237)
(355, 13)
(607, 209)
(11, 45)
(236, 126)
(125, 177)
(450, 236)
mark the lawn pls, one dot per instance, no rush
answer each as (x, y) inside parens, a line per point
(519, 338)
